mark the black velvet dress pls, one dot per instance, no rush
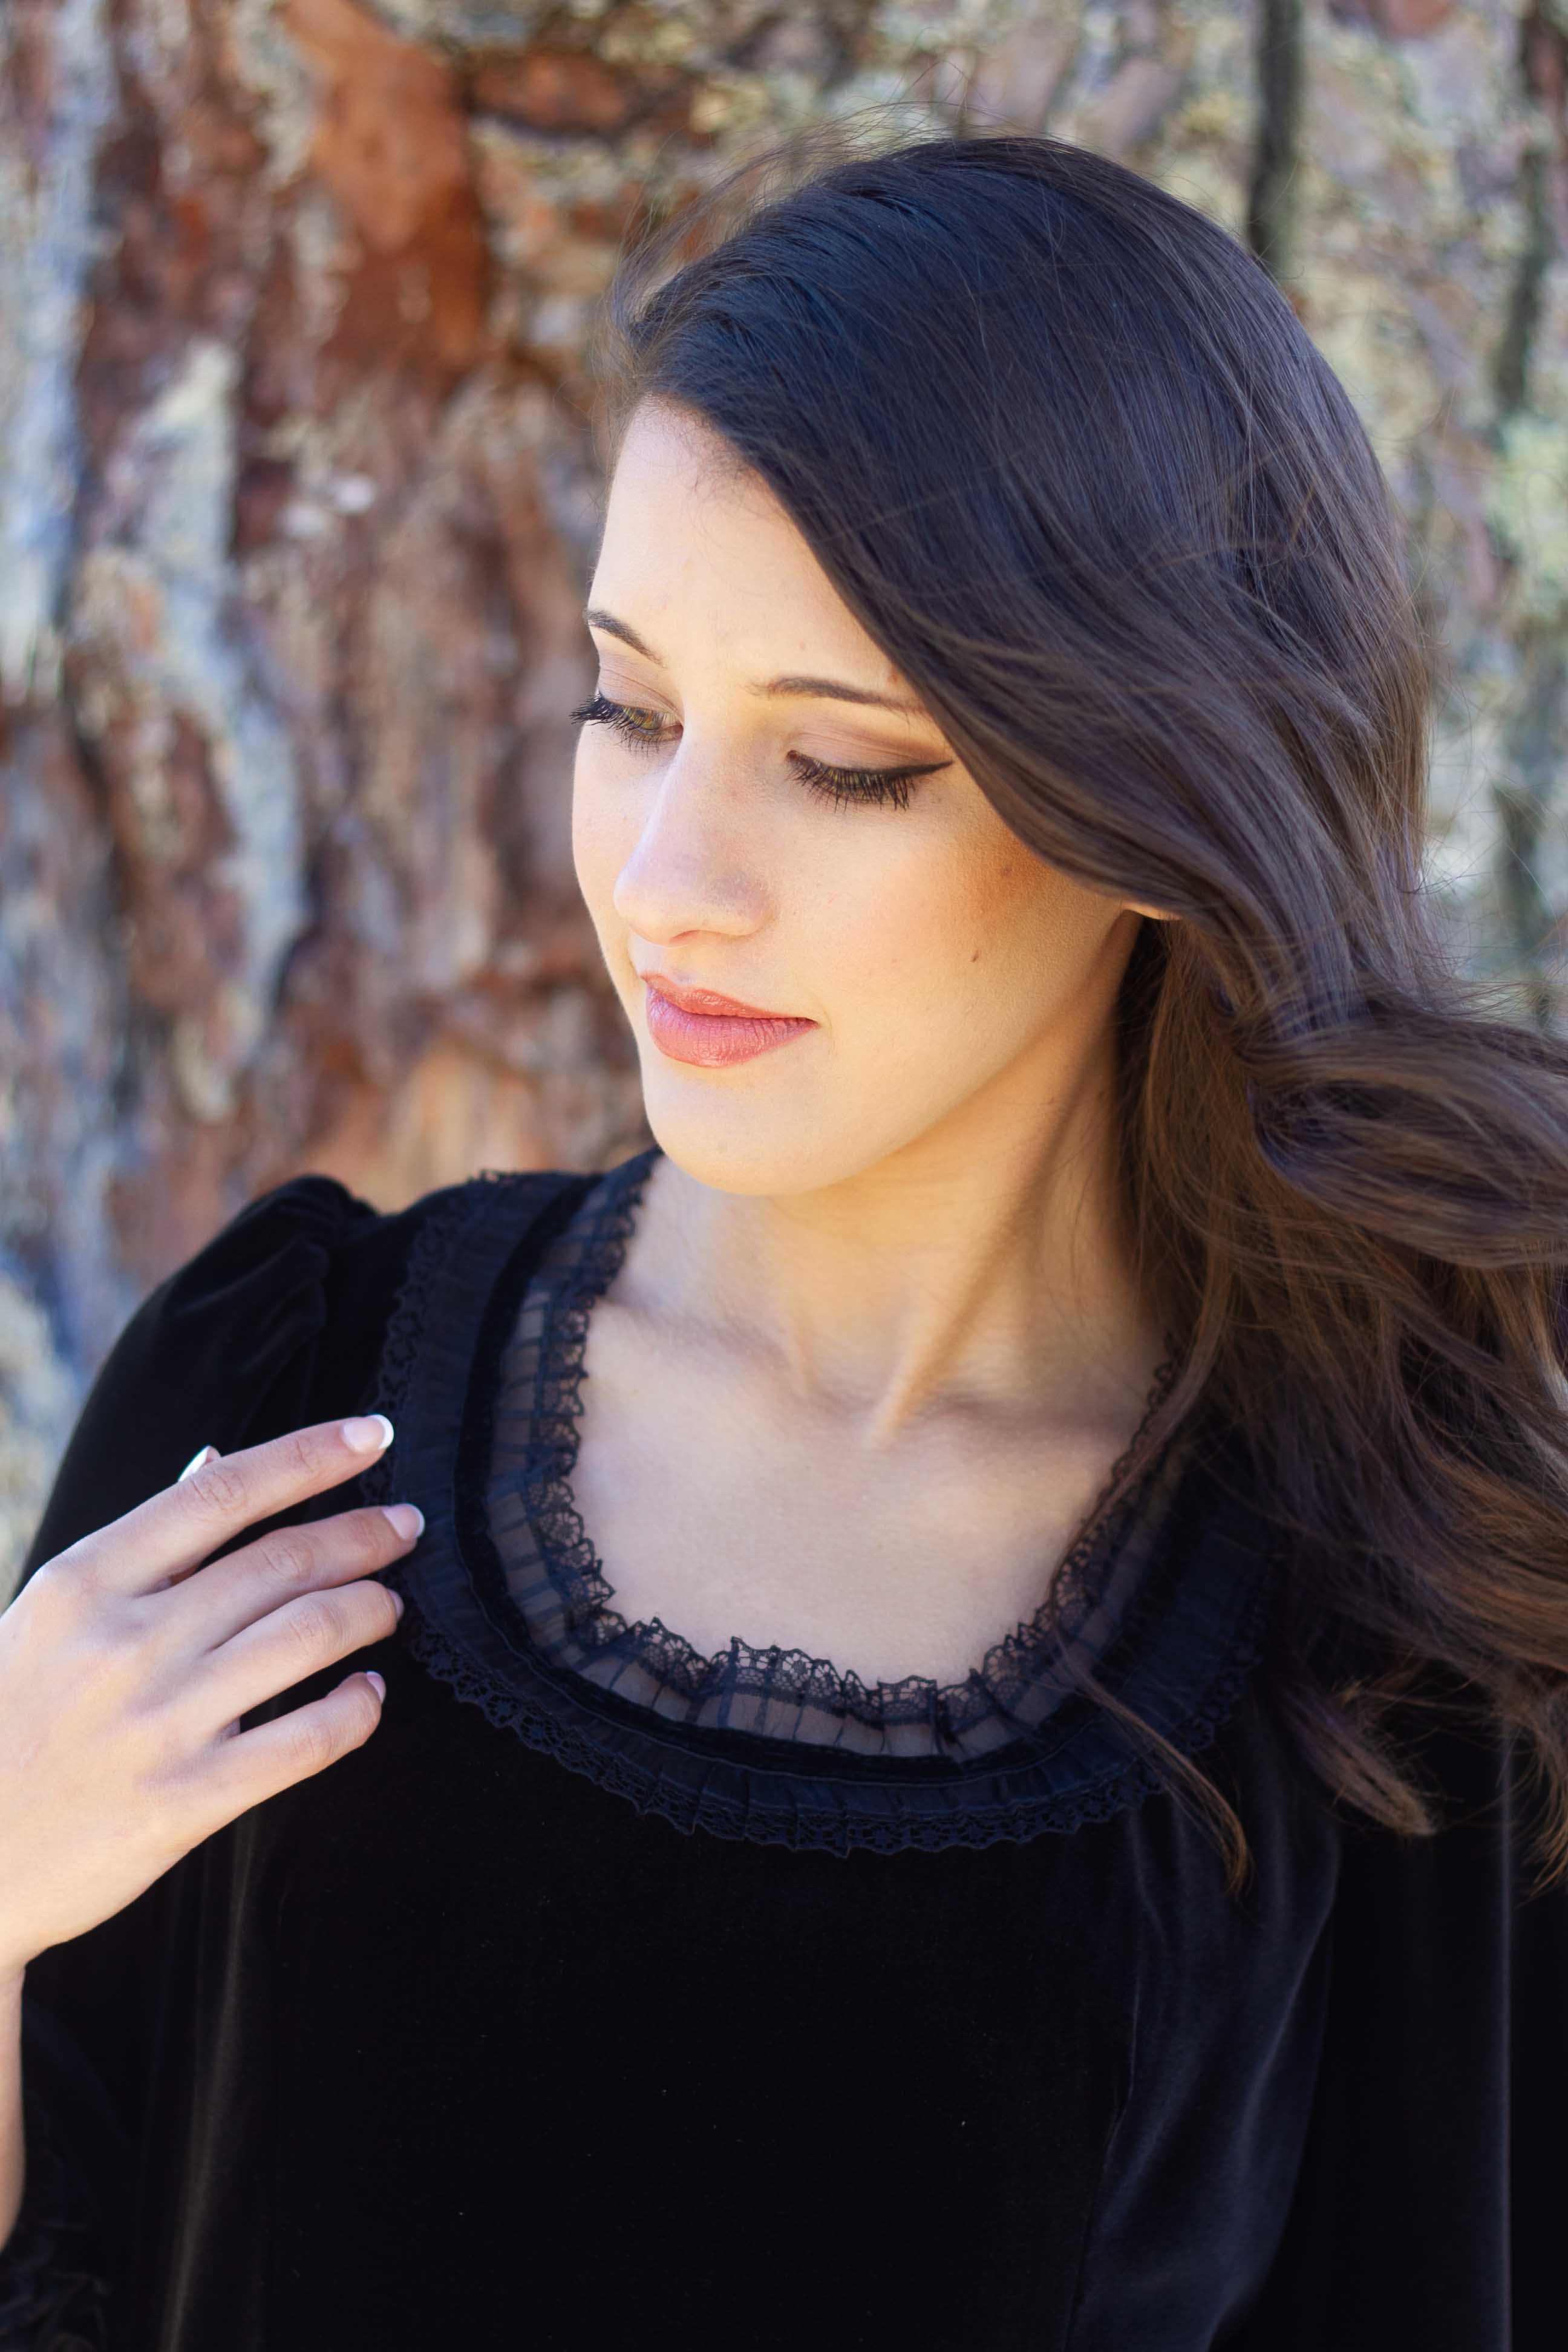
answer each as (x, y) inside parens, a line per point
(612, 1992)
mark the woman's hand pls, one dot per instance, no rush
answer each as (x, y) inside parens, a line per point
(127, 1661)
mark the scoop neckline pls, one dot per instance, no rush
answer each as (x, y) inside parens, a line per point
(1179, 1656)
(779, 1676)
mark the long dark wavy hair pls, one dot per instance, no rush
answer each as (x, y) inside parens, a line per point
(1067, 452)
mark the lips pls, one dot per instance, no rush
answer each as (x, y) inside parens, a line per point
(700, 1026)
(709, 1000)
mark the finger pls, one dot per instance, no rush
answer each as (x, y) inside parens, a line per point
(203, 1454)
(184, 1524)
(280, 1649)
(247, 1585)
(257, 1764)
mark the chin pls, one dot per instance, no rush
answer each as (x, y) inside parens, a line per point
(771, 1143)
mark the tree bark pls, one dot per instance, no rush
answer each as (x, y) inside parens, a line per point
(298, 498)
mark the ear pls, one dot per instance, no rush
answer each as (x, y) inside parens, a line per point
(1155, 914)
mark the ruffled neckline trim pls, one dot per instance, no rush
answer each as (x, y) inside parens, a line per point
(1179, 1651)
(556, 1577)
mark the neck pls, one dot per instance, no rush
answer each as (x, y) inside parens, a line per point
(984, 1266)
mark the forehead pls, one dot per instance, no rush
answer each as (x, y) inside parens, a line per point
(697, 552)
(671, 450)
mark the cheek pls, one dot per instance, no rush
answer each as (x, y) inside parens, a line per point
(969, 910)
(977, 942)
(600, 843)
(1041, 938)
(897, 936)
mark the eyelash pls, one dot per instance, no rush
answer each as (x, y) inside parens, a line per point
(838, 784)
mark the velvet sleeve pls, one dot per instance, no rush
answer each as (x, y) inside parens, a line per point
(222, 1352)
(1430, 2209)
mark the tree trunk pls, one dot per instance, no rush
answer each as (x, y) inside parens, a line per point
(298, 503)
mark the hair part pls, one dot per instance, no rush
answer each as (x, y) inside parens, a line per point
(1065, 452)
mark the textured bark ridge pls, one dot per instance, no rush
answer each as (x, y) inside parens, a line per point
(298, 498)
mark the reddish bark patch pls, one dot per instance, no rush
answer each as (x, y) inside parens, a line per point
(1398, 20)
(553, 89)
(391, 147)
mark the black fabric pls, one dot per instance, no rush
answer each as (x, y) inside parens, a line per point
(464, 2041)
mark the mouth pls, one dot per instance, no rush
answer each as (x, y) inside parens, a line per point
(701, 1027)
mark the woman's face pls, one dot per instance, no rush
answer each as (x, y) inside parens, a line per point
(952, 983)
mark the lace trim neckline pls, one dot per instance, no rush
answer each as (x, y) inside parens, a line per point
(1181, 1652)
(558, 1580)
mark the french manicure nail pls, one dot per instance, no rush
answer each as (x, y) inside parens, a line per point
(367, 1433)
(204, 1454)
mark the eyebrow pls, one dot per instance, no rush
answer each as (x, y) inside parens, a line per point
(825, 690)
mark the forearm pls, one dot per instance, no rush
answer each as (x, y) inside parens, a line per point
(13, 2159)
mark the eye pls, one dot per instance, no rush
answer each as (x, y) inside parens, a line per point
(637, 726)
(839, 785)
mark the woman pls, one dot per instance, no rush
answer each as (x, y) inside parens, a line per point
(960, 1753)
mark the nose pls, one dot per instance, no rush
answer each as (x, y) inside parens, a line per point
(696, 864)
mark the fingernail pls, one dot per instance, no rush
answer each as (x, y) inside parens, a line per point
(372, 1677)
(207, 1453)
(406, 1519)
(367, 1433)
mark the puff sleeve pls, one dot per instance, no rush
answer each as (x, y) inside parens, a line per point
(1429, 2207)
(223, 1351)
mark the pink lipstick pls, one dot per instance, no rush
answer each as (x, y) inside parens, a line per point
(698, 1024)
